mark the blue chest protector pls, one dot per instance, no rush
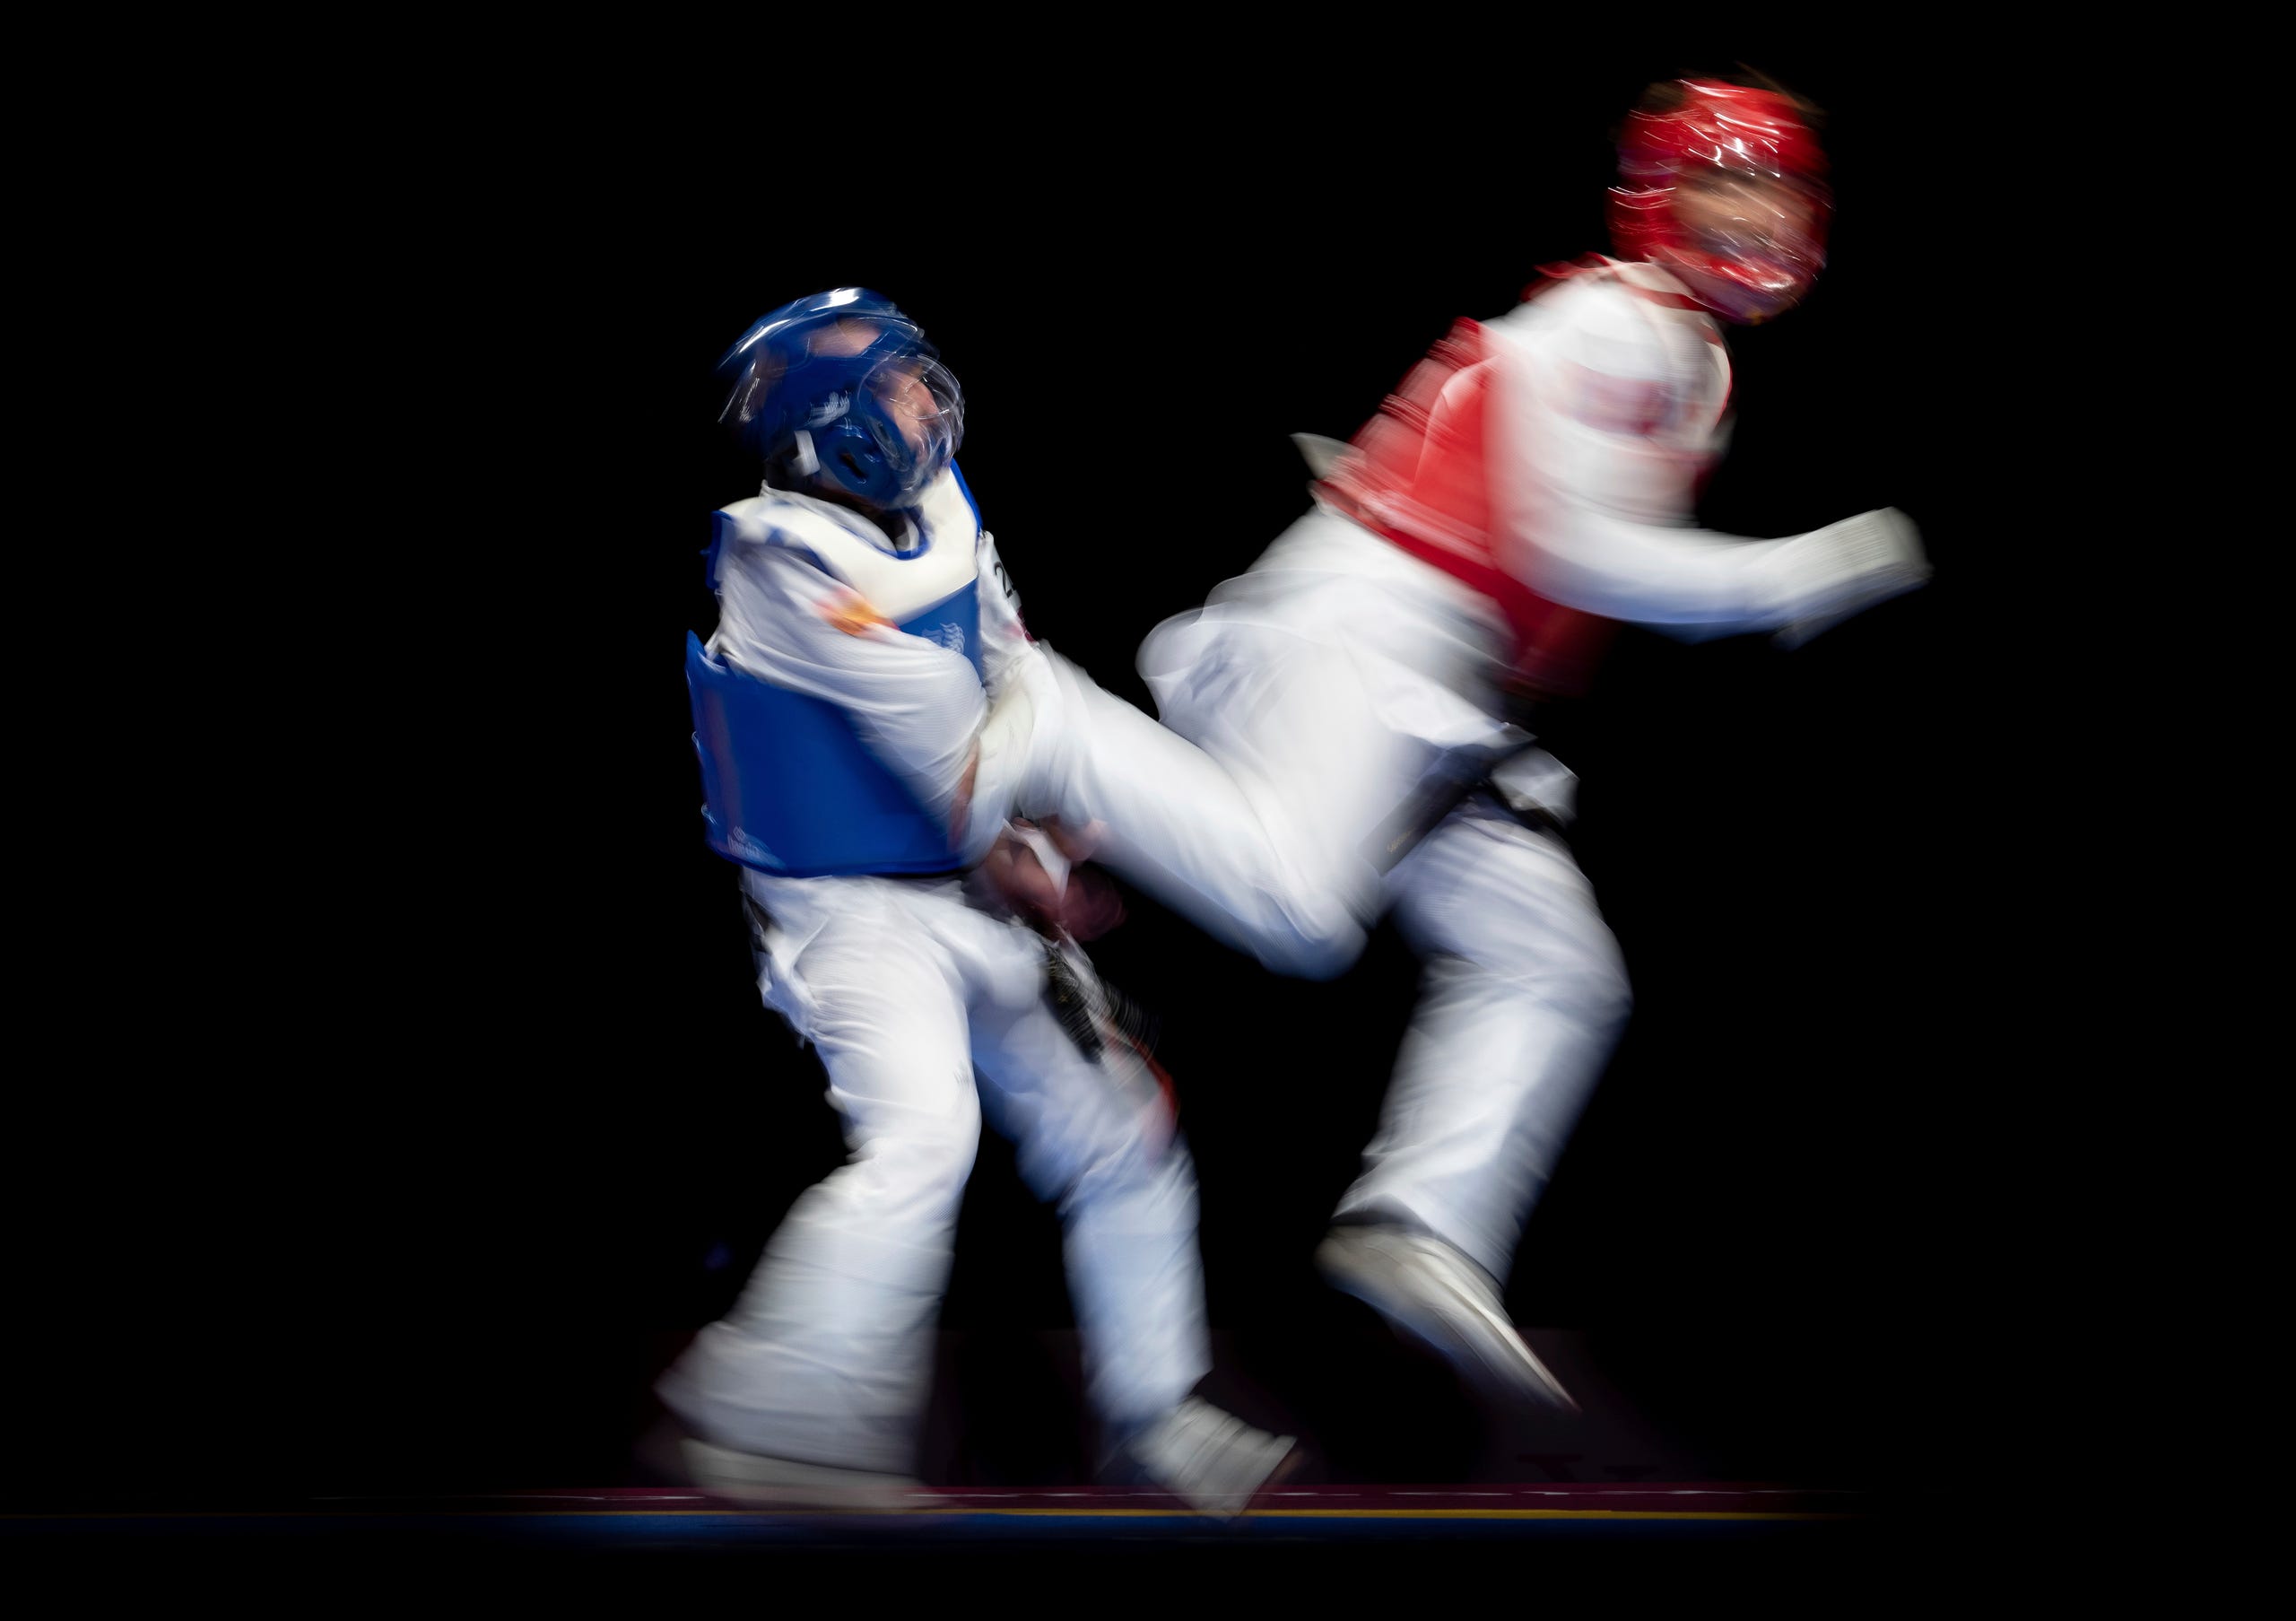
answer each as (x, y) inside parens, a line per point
(790, 789)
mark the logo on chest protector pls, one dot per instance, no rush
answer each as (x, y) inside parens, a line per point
(951, 637)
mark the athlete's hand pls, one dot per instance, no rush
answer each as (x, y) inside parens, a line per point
(1035, 868)
(1851, 566)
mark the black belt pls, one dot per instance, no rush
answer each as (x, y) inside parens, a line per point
(1457, 777)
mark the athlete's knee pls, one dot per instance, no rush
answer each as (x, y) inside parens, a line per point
(1599, 989)
(1156, 1182)
(1313, 948)
(1587, 982)
(926, 1154)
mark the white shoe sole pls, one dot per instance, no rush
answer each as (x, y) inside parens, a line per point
(1232, 1508)
(748, 1479)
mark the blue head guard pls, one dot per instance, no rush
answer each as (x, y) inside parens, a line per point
(842, 388)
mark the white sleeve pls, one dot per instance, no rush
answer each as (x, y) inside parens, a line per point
(1605, 419)
(1025, 701)
(918, 704)
(1003, 639)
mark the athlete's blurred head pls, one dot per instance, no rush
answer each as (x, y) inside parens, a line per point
(1723, 185)
(840, 394)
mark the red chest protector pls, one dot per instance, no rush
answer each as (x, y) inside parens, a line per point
(1421, 480)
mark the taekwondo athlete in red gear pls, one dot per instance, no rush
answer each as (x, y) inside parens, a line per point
(1530, 485)
(860, 714)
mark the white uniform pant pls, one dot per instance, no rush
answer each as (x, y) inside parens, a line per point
(1336, 673)
(1523, 997)
(906, 992)
(1214, 838)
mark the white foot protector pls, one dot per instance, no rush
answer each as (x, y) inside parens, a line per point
(1212, 1460)
(1430, 1291)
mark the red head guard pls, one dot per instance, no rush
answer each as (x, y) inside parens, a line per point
(1761, 262)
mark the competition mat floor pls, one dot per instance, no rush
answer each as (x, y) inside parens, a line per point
(665, 1522)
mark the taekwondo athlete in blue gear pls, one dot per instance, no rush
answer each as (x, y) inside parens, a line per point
(863, 723)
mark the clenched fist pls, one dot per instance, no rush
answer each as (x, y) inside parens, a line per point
(1036, 867)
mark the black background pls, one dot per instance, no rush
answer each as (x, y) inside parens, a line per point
(450, 1159)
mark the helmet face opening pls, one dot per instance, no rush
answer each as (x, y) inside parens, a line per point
(841, 393)
(1723, 185)
(918, 398)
